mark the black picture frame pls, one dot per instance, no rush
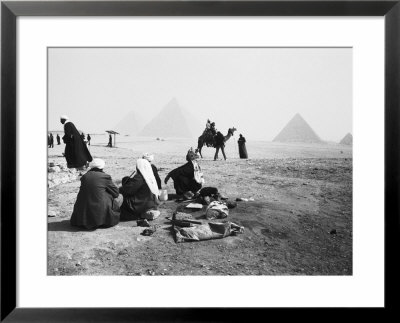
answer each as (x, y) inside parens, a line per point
(11, 10)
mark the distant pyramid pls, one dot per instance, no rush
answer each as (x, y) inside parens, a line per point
(297, 130)
(172, 121)
(347, 140)
(129, 125)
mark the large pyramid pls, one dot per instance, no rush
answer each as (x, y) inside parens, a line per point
(172, 121)
(129, 125)
(347, 140)
(297, 130)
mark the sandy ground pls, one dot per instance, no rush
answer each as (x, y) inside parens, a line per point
(299, 201)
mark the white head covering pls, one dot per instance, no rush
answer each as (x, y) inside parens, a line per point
(64, 117)
(144, 167)
(198, 174)
(97, 163)
(148, 157)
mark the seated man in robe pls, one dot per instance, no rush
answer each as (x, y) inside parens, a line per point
(150, 159)
(98, 201)
(140, 192)
(188, 178)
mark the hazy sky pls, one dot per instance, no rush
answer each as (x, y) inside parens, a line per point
(257, 90)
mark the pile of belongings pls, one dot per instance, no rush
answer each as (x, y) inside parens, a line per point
(208, 195)
(187, 229)
(217, 210)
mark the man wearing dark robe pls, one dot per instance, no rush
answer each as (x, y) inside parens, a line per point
(51, 144)
(219, 144)
(109, 141)
(185, 178)
(58, 140)
(88, 139)
(98, 202)
(76, 152)
(242, 147)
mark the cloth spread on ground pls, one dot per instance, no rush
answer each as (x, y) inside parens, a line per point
(182, 216)
(194, 206)
(217, 210)
(206, 231)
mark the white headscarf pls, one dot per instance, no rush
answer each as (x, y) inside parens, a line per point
(144, 167)
(198, 174)
(148, 157)
(65, 117)
(97, 163)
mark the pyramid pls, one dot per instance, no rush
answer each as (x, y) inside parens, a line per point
(297, 130)
(347, 140)
(129, 125)
(172, 121)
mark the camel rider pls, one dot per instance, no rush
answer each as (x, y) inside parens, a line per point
(207, 129)
(212, 128)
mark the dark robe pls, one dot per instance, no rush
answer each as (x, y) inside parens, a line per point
(76, 152)
(88, 139)
(51, 141)
(95, 205)
(137, 197)
(183, 177)
(242, 147)
(156, 176)
(58, 140)
(220, 139)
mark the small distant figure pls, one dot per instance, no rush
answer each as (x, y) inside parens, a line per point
(48, 141)
(209, 133)
(58, 140)
(51, 141)
(76, 152)
(88, 139)
(242, 147)
(83, 136)
(109, 141)
(208, 124)
(188, 178)
(98, 202)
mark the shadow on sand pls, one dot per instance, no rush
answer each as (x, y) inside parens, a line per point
(66, 226)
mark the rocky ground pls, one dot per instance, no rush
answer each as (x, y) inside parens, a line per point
(300, 222)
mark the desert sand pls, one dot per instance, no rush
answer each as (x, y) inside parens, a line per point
(300, 222)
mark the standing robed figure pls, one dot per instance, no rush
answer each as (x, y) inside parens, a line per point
(76, 152)
(242, 147)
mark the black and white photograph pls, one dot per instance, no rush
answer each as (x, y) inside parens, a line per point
(203, 161)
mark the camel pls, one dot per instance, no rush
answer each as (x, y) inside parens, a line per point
(202, 141)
